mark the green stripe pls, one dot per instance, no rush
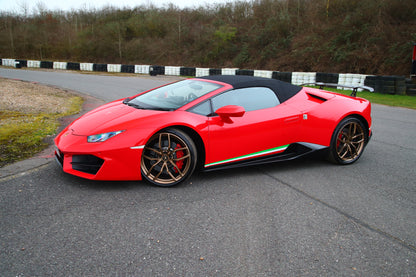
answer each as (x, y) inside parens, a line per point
(260, 153)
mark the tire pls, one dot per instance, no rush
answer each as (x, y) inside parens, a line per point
(169, 158)
(348, 141)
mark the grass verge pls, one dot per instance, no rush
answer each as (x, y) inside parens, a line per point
(403, 101)
(29, 113)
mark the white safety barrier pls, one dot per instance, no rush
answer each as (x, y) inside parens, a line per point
(228, 71)
(59, 65)
(299, 78)
(263, 73)
(141, 69)
(86, 66)
(34, 64)
(173, 70)
(113, 67)
(201, 72)
(9, 62)
(350, 79)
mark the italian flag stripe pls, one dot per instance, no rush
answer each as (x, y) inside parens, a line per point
(253, 155)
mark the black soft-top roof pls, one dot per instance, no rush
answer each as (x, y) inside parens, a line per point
(283, 90)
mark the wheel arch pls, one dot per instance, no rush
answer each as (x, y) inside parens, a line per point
(360, 118)
(199, 143)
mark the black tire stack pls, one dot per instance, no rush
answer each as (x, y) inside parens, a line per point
(73, 66)
(188, 71)
(387, 84)
(331, 78)
(46, 64)
(411, 87)
(127, 68)
(99, 67)
(282, 76)
(156, 70)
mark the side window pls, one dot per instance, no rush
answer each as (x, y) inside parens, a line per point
(203, 109)
(254, 98)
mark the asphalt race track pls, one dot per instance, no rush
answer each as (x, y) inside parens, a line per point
(301, 218)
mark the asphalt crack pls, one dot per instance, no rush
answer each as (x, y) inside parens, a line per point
(348, 216)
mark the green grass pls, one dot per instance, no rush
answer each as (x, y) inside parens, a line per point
(22, 135)
(404, 101)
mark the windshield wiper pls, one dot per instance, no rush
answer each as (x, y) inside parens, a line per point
(135, 106)
(161, 109)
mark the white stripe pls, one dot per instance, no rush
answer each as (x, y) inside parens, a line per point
(137, 147)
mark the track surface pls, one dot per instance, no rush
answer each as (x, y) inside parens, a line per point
(300, 218)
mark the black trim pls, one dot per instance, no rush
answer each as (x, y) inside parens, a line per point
(59, 157)
(294, 151)
(87, 163)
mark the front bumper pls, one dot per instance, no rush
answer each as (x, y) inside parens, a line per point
(120, 164)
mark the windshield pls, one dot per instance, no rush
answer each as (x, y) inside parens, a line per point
(173, 96)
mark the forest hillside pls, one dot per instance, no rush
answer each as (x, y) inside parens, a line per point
(345, 36)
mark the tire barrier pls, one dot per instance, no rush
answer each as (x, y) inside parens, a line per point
(327, 77)
(188, 71)
(387, 84)
(173, 70)
(245, 72)
(46, 65)
(263, 73)
(156, 70)
(215, 71)
(99, 67)
(142, 69)
(127, 68)
(299, 78)
(382, 84)
(228, 71)
(87, 66)
(113, 68)
(9, 62)
(73, 66)
(413, 71)
(410, 87)
(59, 65)
(282, 76)
(21, 63)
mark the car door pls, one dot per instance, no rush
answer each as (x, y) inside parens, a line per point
(264, 129)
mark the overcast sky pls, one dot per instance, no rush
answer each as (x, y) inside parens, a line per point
(67, 5)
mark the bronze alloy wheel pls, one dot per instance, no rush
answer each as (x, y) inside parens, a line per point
(168, 158)
(348, 141)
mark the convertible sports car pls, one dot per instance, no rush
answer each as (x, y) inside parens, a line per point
(164, 134)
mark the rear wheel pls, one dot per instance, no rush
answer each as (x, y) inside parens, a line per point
(348, 141)
(168, 158)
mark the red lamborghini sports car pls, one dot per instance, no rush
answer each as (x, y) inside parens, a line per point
(164, 134)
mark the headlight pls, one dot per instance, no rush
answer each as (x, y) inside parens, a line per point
(103, 137)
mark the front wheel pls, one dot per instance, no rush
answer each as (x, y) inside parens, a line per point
(168, 158)
(348, 141)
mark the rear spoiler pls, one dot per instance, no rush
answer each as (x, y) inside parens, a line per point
(331, 85)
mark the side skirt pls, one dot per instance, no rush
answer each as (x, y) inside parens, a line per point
(294, 151)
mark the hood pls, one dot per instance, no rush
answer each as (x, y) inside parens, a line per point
(114, 116)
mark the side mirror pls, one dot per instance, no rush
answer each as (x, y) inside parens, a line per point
(230, 111)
